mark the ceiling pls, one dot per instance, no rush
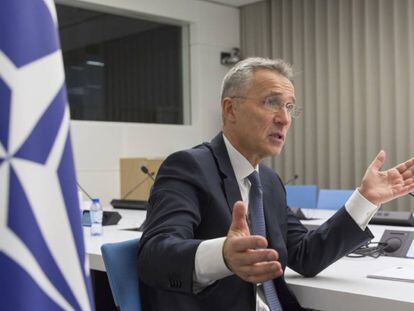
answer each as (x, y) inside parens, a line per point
(235, 3)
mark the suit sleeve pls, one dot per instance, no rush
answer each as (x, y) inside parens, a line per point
(309, 252)
(168, 247)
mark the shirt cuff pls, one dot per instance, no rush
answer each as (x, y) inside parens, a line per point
(209, 264)
(360, 209)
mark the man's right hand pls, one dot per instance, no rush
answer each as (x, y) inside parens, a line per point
(246, 255)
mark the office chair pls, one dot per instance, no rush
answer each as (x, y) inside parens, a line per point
(333, 199)
(302, 196)
(121, 266)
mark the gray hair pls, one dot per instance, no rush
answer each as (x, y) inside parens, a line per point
(238, 79)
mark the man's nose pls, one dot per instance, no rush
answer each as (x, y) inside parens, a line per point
(282, 116)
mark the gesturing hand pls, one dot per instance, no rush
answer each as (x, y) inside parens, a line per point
(245, 254)
(383, 186)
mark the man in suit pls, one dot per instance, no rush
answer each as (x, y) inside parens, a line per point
(219, 234)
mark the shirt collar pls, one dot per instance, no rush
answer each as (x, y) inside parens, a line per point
(241, 166)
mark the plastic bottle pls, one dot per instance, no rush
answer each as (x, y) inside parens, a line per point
(96, 213)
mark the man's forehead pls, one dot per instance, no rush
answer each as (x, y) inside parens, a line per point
(272, 83)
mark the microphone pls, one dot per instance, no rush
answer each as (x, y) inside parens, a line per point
(145, 170)
(134, 204)
(292, 180)
(393, 244)
(133, 188)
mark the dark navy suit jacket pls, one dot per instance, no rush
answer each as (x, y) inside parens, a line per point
(192, 200)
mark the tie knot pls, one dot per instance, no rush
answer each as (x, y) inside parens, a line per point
(255, 179)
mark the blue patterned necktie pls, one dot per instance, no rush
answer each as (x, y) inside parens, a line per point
(258, 227)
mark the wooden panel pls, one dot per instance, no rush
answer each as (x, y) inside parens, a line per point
(131, 175)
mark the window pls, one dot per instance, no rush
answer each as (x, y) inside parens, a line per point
(124, 69)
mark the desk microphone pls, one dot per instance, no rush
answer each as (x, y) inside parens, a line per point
(145, 170)
(133, 204)
(393, 244)
(292, 180)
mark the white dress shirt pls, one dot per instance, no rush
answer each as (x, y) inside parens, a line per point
(209, 262)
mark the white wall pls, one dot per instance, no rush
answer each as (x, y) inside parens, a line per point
(98, 146)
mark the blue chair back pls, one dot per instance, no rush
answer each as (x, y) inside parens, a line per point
(302, 196)
(333, 199)
(121, 266)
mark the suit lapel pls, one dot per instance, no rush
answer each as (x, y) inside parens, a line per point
(231, 188)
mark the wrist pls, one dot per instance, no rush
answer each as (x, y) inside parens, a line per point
(367, 195)
(224, 256)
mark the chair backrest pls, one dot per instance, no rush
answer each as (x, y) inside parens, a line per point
(333, 199)
(121, 266)
(302, 196)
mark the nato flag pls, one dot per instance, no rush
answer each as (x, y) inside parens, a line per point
(42, 256)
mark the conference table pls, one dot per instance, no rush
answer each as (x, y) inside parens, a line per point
(342, 286)
(131, 219)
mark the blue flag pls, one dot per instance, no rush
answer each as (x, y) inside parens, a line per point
(42, 256)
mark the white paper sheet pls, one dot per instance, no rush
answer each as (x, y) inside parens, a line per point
(397, 273)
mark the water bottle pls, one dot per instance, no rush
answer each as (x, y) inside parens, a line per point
(96, 213)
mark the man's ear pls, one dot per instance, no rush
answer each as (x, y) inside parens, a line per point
(228, 109)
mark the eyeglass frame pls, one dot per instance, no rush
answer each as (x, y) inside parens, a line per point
(293, 109)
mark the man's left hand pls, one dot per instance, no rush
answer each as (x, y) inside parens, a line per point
(383, 186)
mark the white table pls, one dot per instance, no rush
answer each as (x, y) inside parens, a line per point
(342, 286)
(112, 234)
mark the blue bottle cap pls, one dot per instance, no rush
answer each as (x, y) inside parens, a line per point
(95, 200)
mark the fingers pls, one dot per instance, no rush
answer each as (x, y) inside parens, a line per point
(252, 265)
(377, 163)
(238, 251)
(247, 255)
(383, 186)
(239, 222)
(249, 242)
(261, 272)
(406, 188)
(407, 166)
(257, 256)
(407, 174)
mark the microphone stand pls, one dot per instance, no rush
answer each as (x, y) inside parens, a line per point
(133, 204)
(292, 180)
(135, 187)
(84, 191)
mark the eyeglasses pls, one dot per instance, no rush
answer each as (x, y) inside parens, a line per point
(274, 104)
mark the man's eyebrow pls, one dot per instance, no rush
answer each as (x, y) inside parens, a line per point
(277, 94)
(274, 93)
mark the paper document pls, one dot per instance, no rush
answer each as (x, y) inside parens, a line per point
(397, 273)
